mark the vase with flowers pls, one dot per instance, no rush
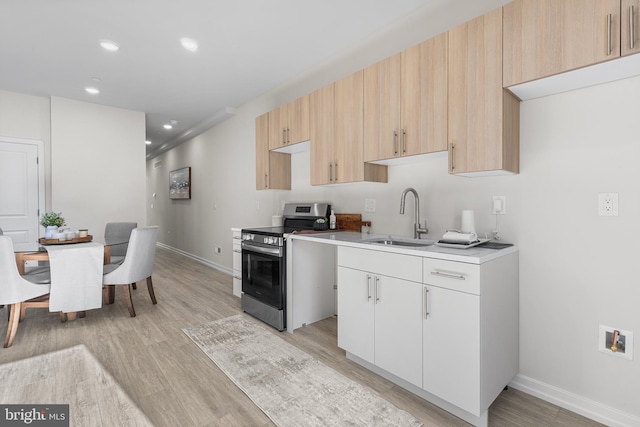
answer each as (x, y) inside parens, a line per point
(51, 221)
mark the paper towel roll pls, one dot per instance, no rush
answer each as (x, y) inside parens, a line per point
(276, 220)
(468, 225)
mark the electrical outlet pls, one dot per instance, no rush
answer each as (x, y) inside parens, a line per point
(608, 204)
(616, 342)
(370, 205)
(499, 205)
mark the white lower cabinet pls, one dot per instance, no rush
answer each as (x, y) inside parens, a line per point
(237, 262)
(380, 316)
(451, 347)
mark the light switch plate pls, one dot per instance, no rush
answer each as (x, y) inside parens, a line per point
(499, 205)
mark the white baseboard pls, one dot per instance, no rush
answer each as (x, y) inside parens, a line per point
(197, 258)
(575, 403)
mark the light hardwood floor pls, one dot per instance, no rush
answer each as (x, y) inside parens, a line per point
(175, 384)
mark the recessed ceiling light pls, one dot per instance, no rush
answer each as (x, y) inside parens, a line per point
(109, 45)
(147, 142)
(189, 44)
(167, 126)
(92, 90)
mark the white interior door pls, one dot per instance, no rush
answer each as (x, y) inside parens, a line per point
(21, 190)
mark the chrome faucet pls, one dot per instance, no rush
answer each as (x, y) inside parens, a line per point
(417, 231)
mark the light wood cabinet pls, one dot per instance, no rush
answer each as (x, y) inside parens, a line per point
(337, 140)
(483, 119)
(630, 27)
(547, 37)
(289, 124)
(273, 170)
(405, 102)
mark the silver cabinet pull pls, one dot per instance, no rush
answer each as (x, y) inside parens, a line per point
(402, 143)
(236, 277)
(449, 275)
(632, 35)
(368, 287)
(608, 34)
(335, 172)
(377, 290)
(426, 302)
(266, 180)
(330, 172)
(451, 163)
(237, 251)
(288, 135)
(284, 136)
(395, 142)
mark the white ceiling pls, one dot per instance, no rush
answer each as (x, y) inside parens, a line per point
(246, 48)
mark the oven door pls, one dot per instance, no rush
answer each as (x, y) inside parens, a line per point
(263, 273)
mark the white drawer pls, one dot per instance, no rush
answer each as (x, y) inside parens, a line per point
(237, 258)
(405, 267)
(458, 276)
(237, 234)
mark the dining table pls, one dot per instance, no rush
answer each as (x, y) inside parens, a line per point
(76, 275)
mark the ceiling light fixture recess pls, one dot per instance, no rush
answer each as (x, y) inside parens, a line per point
(109, 45)
(167, 126)
(92, 90)
(147, 142)
(190, 44)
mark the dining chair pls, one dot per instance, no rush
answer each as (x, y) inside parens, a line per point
(116, 236)
(137, 265)
(17, 292)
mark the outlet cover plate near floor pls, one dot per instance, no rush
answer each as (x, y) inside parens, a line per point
(608, 204)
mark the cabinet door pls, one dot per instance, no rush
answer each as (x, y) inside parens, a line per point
(451, 347)
(356, 313)
(630, 27)
(483, 119)
(298, 120)
(398, 327)
(546, 37)
(321, 127)
(262, 152)
(277, 131)
(349, 121)
(382, 109)
(424, 121)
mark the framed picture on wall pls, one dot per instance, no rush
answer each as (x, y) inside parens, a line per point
(180, 183)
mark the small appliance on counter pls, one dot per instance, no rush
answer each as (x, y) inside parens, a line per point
(264, 273)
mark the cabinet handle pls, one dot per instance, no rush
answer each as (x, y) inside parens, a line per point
(284, 136)
(335, 172)
(608, 34)
(236, 251)
(368, 287)
(377, 290)
(330, 172)
(402, 144)
(632, 35)
(288, 135)
(426, 303)
(449, 275)
(265, 180)
(395, 142)
(452, 165)
(236, 277)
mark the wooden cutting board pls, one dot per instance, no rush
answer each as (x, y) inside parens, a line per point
(350, 222)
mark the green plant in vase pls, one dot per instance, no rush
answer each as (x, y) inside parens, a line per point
(51, 221)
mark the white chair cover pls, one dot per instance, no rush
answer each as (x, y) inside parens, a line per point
(76, 276)
(138, 263)
(13, 288)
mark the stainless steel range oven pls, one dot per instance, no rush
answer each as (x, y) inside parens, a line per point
(264, 282)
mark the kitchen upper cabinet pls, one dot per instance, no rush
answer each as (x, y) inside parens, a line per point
(289, 124)
(348, 147)
(547, 37)
(322, 132)
(405, 102)
(483, 118)
(273, 170)
(630, 27)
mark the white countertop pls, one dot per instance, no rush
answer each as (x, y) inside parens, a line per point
(474, 255)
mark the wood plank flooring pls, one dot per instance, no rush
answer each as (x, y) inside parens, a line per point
(175, 384)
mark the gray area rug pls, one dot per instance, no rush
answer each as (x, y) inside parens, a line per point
(288, 385)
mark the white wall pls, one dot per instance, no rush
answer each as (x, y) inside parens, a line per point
(98, 164)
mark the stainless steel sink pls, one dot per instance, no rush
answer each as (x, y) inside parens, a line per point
(398, 242)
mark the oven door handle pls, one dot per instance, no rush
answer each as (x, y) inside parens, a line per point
(259, 249)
